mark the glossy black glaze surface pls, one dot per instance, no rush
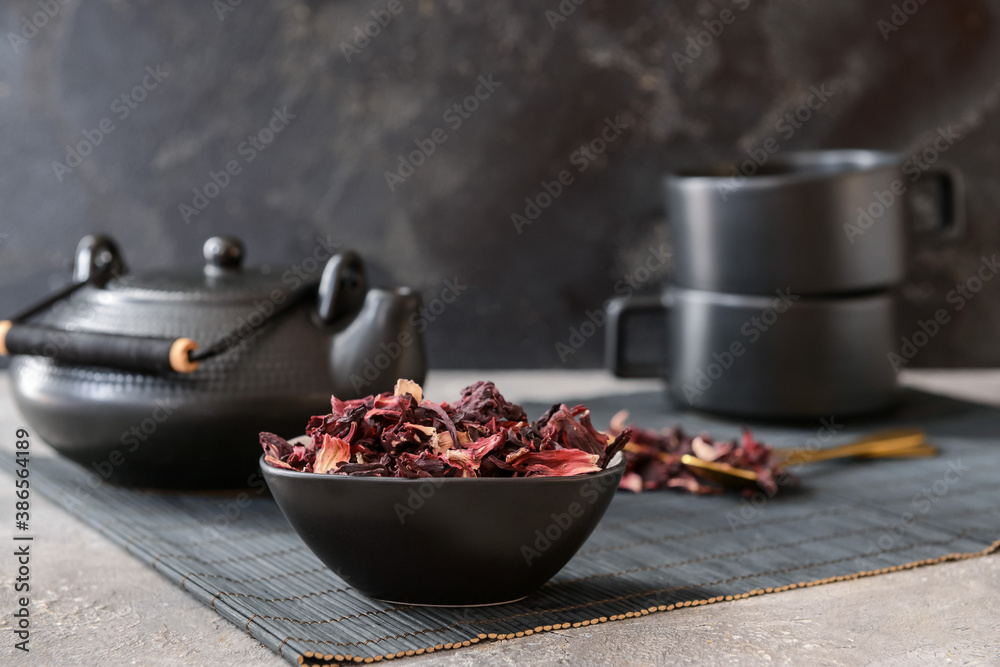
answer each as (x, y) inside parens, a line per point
(443, 541)
(198, 430)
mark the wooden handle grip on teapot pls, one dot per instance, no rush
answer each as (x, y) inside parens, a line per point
(130, 353)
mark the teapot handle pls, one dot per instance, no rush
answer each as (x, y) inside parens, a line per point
(98, 260)
(343, 286)
(131, 353)
(341, 291)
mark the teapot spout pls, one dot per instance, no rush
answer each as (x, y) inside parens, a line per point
(382, 343)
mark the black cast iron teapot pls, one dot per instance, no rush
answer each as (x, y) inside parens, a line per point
(166, 379)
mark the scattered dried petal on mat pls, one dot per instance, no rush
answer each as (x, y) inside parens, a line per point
(653, 458)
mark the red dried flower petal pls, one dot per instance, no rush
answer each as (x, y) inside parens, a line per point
(482, 401)
(631, 482)
(425, 464)
(554, 462)
(655, 457)
(274, 445)
(398, 434)
(484, 446)
(277, 463)
(464, 461)
(560, 425)
(333, 452)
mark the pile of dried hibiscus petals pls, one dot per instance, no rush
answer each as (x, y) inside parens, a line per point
(400, 434)
(653, 459)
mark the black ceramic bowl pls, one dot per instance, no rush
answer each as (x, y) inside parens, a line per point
(443, 541)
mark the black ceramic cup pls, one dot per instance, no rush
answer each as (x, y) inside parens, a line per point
(782, 303)
(443, 541)
(820, 222)
(784, 355)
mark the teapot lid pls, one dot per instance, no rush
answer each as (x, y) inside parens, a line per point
(99, 270)
(223, 277)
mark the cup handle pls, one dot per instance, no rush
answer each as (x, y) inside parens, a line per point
(619, 311)
(951, 202)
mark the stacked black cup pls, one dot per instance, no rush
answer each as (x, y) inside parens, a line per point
(782, 300)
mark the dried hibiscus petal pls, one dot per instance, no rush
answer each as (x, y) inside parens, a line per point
(492, 466)
(482, 401)
(616, 445)
(333, 452)
(560, 425)
(409, 387)
(464, 461)
(275, 446)
(363, 470)
(444, 418)
(402, 434)
(484, 446)
(554, 462)
(277, 463)
(631, 481)
(653, 458)
(425, 464)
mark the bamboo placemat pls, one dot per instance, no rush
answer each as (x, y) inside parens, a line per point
(652, 552)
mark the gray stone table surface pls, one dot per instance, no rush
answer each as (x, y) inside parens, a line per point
(94, 604)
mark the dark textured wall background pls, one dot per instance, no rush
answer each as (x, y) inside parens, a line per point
(324, 173)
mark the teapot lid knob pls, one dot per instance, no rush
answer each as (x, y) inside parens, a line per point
(223, 253)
